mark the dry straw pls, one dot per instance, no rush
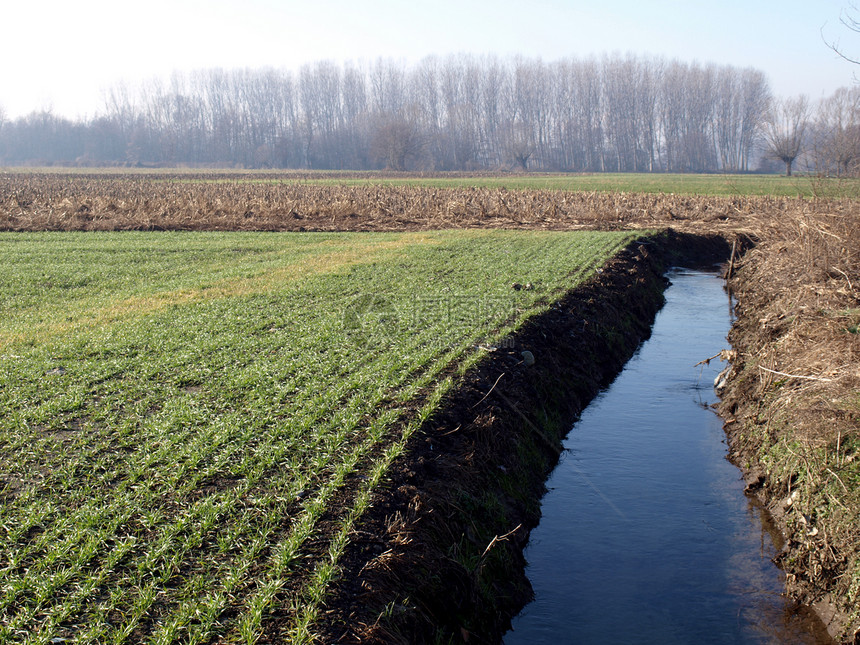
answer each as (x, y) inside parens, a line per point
(151, 202)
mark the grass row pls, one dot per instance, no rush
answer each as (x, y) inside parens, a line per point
(717, 184)
(679, 184)
(179, 412)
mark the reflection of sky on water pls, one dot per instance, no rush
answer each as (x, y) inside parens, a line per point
(646, 534)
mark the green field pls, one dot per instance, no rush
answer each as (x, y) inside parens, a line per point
(669, 183)
(717, 184)
(191, 423)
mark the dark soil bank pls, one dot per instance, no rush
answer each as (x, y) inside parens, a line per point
(440, 555)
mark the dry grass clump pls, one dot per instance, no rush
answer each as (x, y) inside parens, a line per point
(804, 278)
(31, 202)
(795, 407)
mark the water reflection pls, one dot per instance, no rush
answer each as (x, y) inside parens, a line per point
(646, 534)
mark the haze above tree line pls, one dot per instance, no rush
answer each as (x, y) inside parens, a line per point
(609, 114)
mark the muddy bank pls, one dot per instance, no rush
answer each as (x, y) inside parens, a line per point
(439, 557)
(791, 404)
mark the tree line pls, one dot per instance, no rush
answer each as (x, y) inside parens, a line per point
(615, 113)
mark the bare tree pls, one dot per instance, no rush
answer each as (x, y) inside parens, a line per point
(620, 78)
(589, 115)
(741, 101)
(837, 133)
(519, 144)
(756, 98)
(784, 128)
(494, 79)
(646, 112)
(353, 133)
(672, 114)
(395, 143)
(387, 86)
(121, 110)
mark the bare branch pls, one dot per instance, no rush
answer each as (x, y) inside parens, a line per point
(851, 23)
(807, 378)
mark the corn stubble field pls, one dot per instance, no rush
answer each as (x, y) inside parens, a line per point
(188, 201)
(192, 422)
(194, 416)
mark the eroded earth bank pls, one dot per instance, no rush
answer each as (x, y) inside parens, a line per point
(792, 403)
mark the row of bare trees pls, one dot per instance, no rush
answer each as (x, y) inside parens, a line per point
(618, 113)
(824, 139)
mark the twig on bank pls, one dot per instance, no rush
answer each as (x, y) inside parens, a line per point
(850, 286)
(724, 355)
(707, 361)
(838, 446)
(808, 378)
(499, 538)
(845, 488)
(490, 390)
(732, 260)
(804, 460)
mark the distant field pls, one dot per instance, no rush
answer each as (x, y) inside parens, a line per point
(679, 184)
(683, 184)
(191, 423)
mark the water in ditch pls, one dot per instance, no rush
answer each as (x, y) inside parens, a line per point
(646, 535)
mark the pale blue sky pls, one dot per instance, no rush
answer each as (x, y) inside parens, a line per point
(62, 54)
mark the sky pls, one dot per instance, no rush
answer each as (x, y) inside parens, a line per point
(63, 55)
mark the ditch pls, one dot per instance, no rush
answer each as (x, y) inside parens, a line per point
(646, 534)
